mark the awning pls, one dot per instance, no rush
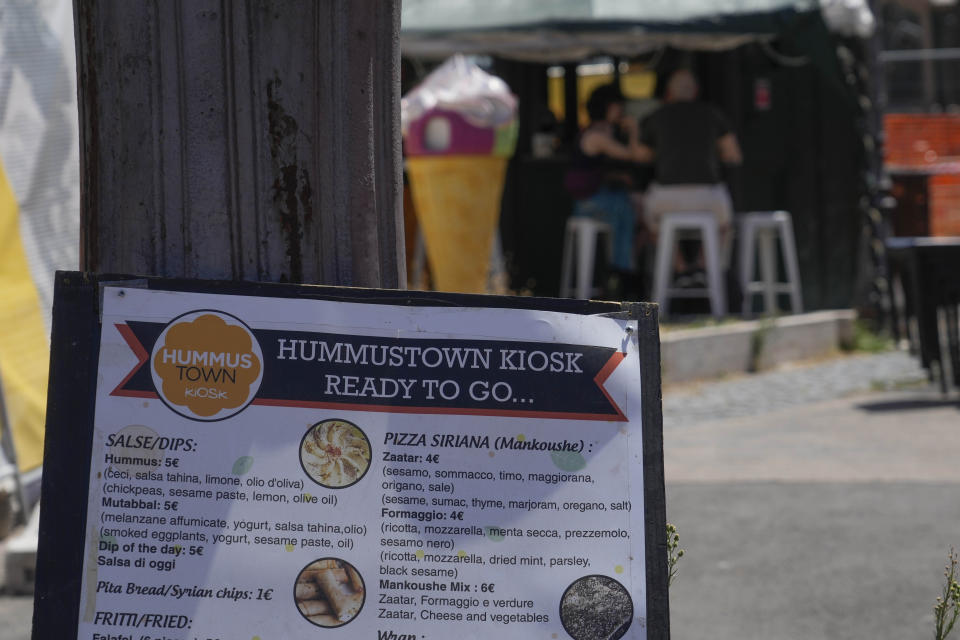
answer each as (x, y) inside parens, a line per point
(567, 30)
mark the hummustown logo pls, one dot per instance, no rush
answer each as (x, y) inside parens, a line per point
(207, 365)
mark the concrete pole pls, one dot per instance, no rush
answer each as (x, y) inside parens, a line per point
(241, 139)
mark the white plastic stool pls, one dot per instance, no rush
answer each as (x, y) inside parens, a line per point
(581, 241)
(758, 234)
(670, 227)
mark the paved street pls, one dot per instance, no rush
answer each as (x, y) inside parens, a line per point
(15, 615)
(813, 502)
(826, 519)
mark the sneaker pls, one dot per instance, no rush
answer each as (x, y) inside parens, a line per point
(683, 281)
(698, 278)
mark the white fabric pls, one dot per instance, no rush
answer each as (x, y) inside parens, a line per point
(39, 145)
(459, 85)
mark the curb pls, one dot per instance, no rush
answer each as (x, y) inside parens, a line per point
(752, 345)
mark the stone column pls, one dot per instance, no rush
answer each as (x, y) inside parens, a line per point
(241, 139)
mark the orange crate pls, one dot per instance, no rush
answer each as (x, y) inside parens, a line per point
(944, 199)
(921, 140)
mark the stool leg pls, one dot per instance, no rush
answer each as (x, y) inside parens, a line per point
(711, 252)
(587, 246)
(565, 288)
(747, 256)
(792, 266)
(768, 269)
(664, 267)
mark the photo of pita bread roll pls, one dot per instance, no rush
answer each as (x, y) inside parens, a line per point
(355, 581)
(329, 592)
(307, 591)
(312, 575)
(343, 599)
(313, 607)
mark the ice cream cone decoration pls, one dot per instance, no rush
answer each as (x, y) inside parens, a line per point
(457, 199)
(459, 130)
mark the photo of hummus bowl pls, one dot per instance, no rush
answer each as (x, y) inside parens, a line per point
(335, 453)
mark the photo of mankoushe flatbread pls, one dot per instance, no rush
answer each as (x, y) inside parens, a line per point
(335, 453)
(596, 607)
(329, 592)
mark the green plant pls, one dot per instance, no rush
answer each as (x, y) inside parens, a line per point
(674, 553)
(865, 339)
(947, 609)
(758, 340)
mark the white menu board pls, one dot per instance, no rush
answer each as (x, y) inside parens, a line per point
(268, 468)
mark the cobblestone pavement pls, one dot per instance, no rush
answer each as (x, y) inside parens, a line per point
(781, 389)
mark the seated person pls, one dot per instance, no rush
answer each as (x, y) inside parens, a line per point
(600, 179)
(689, 140)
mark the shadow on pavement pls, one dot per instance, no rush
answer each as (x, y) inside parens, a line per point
(909, 404)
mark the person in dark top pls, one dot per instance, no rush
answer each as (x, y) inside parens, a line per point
(690, 142)
(600, 179)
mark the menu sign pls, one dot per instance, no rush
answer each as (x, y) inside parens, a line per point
(268, 468)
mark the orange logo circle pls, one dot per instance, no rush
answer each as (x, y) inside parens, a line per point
(207, 365)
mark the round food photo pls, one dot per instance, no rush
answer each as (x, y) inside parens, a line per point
(596, 608)
(329, 592)
(335, 453)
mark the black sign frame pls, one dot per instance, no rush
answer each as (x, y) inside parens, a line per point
(74, 353)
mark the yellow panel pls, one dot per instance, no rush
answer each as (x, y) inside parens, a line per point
(24, 347)
(555, 97)
(636, 85)
(639, 85)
